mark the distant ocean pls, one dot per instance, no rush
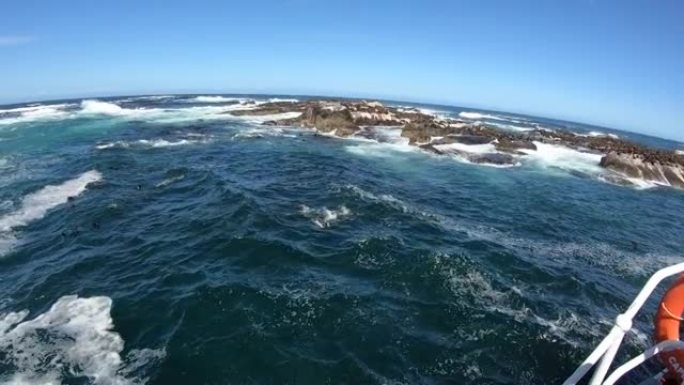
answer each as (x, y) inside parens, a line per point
(161, 240)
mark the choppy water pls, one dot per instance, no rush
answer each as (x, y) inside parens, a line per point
(199, 248)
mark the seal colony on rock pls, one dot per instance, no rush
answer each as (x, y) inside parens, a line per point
(447, 136)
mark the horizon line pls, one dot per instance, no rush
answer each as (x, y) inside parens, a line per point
(315, 95)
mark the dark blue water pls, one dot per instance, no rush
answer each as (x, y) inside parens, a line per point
(201, 248)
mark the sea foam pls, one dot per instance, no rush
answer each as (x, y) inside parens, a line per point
(35, 205)
(150, 143)
(471, 115)
(597, 134)
(385, 199)
(33, 113)
(564, 158)
(486, 148)
(215, 99)
(100, 108)
(323, 217)
(380, 150)
(73, 340)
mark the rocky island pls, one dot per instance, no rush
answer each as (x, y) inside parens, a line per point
(446, 136)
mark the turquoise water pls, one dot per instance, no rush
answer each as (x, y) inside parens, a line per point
(200, 248)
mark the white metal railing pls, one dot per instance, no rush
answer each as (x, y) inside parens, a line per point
(604, 354)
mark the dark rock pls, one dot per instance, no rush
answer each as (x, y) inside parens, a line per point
(324, 120)
(514, 146)
(645, 166)
(465, 139)
(493, 158)
(431, 148)
(422, 131)
(347, 117)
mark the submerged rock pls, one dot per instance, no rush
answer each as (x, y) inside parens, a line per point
(493, 158)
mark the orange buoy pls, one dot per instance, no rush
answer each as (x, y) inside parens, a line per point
(667, 321)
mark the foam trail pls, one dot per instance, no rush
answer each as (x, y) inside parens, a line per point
(105, 146)
(165, 143)
(73, 340)
(35, 205)
(154, 143)
(387, 199)
(170, 180)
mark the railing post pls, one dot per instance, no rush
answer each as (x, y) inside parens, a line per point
(607, 349)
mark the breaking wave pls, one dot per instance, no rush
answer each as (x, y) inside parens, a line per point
(598, 134)
(216, 99)
(72, 341)
(92, 107)
(564, 158)
(569, 160)
(33, 113)
(478, 116)
(35, 205)
(486, 148)
(97, 107)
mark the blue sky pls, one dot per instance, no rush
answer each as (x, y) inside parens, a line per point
(614, 63)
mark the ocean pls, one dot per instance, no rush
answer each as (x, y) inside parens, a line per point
(161, 240)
